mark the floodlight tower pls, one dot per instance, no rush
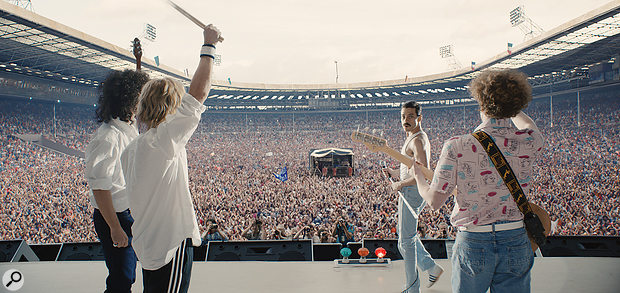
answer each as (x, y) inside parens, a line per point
(525, 24)
(149, 32)
(26, 4)
(446, 52)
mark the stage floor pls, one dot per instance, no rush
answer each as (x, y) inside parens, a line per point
(562, 275)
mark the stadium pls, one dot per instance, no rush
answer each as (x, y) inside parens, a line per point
(253, 133)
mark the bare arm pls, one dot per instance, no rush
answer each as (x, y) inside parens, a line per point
(223, 234)
(106, 207)
(245, 231)
(523, 121)
(201, 82)
(419, 154)
(435, 199)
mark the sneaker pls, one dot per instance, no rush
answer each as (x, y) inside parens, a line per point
(433, 275)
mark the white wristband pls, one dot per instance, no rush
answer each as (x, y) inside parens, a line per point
(208, 51)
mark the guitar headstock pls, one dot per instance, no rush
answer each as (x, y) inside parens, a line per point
(373, 143)
(137, 48)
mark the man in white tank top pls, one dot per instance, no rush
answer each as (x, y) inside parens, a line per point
(417, 146)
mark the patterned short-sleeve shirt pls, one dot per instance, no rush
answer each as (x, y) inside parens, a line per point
(482, 197)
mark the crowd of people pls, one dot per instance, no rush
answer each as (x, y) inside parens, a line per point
(232, 158)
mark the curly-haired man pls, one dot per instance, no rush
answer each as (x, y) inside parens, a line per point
(492, 249)
(112, 218)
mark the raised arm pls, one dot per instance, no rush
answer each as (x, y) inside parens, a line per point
(201, 82)
(523, 121)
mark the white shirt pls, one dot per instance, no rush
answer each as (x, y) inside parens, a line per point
(103, 161)
(155, 166)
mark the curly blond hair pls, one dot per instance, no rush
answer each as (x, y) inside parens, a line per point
(158, 98)
(501, 94)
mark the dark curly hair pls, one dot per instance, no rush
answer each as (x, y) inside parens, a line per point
(119, 95)
(501, 94)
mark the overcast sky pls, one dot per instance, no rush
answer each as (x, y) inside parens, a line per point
(297, 41)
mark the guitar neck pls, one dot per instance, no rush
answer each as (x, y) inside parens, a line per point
(428, 174)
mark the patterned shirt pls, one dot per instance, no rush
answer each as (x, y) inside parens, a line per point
(482, 197)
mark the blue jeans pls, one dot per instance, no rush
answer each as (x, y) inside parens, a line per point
(409, 245)
(121, 261)
(501, 261)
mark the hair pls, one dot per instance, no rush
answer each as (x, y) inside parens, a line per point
(159, 98)
(119, 95)
(501, 94)
(413, 105)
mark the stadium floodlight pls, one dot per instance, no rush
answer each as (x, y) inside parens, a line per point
(217, 60)
(446, 51)
(519, 19)
(516, 16)
(26, 4)
(150, 32)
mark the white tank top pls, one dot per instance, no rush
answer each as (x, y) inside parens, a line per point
(404, 174)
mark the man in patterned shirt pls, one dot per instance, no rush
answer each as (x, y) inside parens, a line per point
(492, 249)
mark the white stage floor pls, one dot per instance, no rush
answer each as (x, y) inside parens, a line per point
(562, 275)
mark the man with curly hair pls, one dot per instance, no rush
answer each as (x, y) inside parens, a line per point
(492, 249)
(112, 218)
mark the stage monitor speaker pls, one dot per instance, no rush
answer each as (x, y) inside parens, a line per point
(436, 248)
(200, 253)
(16, 251)
(273, 250)
(81, 251)
(582, 246)
(390, 246)
(46, 252)
(326, 251)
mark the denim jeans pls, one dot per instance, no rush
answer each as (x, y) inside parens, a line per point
(409, 244)
(500, 260)
(121, 261)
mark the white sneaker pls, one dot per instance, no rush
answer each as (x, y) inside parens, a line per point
(433, 275)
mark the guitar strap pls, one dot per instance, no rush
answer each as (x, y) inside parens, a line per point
(533, 225)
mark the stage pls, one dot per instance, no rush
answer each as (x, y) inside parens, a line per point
(550, 274)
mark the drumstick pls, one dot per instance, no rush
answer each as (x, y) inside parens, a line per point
(189, 16)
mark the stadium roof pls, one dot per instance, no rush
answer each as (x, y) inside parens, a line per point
(34, 45)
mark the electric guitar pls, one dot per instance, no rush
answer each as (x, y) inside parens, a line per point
(137, 52)
(378, 144)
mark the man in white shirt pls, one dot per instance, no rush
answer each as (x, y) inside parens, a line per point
(155, 168)
(112, 218)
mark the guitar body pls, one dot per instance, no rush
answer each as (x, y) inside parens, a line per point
(544, 219)
(377, 144)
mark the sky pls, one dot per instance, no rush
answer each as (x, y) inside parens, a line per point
(295, 41)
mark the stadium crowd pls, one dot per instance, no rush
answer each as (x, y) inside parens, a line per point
(232, 158)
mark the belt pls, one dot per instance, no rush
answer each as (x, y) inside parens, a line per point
(493, 227)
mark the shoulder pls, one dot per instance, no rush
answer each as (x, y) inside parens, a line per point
(456, 140)
(105, 138)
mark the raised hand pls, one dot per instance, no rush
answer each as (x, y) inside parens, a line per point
(212, 35)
